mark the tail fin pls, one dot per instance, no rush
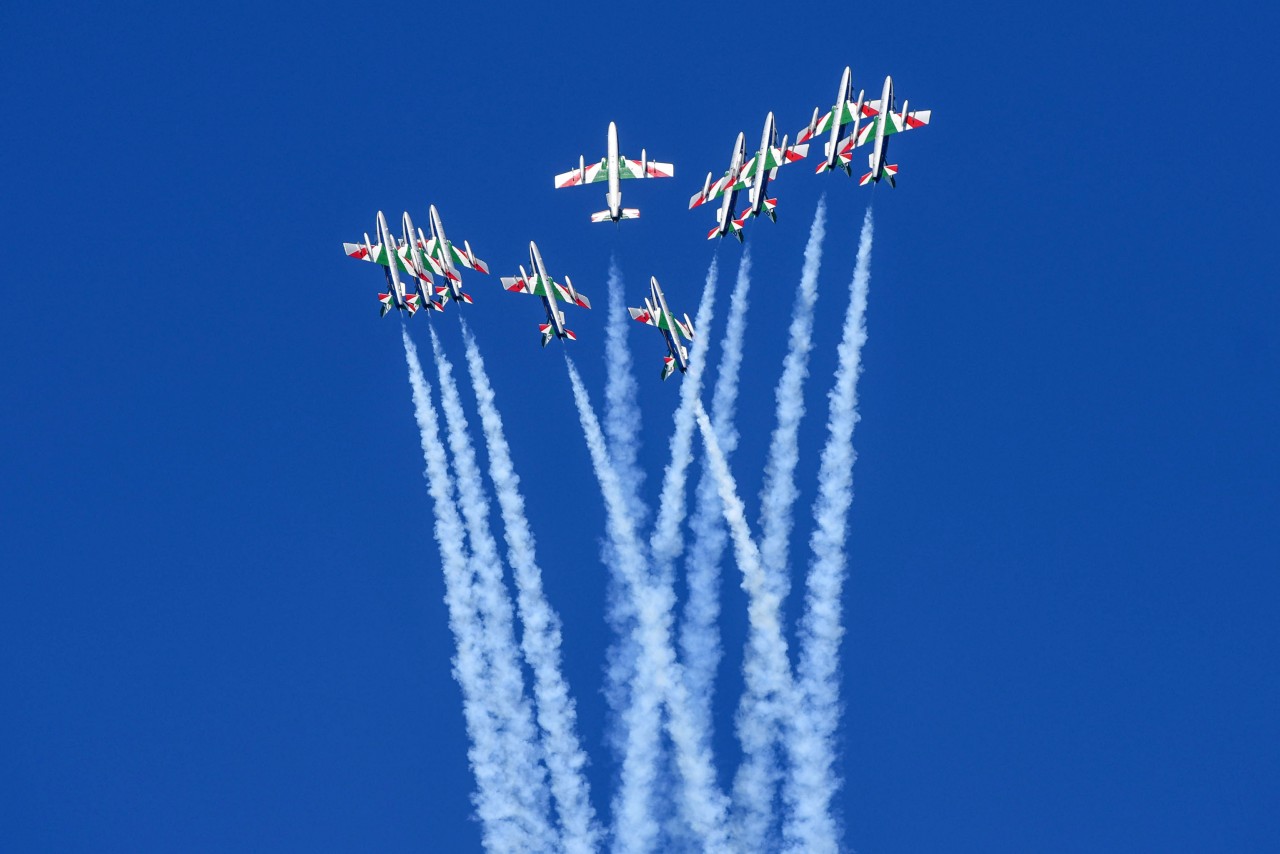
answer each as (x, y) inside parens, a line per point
(668, 367)
(770, 208)
(891, 172)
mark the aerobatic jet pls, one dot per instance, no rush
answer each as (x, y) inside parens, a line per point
(762, 168)
(725, 223)
(542, 285)
(612, 168)
(884, 123)
(845, 113)
(394, 258)
(445, 259)
(656, 313)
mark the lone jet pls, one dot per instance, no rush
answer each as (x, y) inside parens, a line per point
(656, 313)
(763, 167)
(612, 168)
(884, 123)
(445, 258)
(838, 148)
(725, 223)
(542, 285)
(393, 258)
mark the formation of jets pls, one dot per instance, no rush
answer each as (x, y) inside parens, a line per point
(848, 125)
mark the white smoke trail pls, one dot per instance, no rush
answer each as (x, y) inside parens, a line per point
(759, 724)
(506, 697)
(812, 784)
(622, 427)
(621, 412)
(658, 677)
(699, 634)
(504, 822)
(541, 638)
(666, 541)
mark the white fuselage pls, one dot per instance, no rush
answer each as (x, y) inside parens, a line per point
(548, 295)
(393, 274)
(730, 198)
(844, 96)
(881, 149)
(418, 256)
(760, 187)
(674, 347)
(614, 196)
(453, 281)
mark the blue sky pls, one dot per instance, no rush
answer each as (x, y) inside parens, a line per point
(221, 623)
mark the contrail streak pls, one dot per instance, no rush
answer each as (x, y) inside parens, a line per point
(504, 822)
(622, 427)
(666, 542)
(658, 677)
(699, 635)
(759, 725)
(766, 671)
(812, 785)
(507, 696)
(540, 641)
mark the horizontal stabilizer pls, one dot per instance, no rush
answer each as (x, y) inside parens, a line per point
(601, 216)
(866, 179)
(630, 213)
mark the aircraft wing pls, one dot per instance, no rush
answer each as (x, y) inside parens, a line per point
(379, 256)
(823, 125)
(592, 174)
(913, 119)
(645, 169)
(715, 191)
(519, 285)
(780, 157)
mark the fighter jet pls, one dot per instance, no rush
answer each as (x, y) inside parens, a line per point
(656, 313)
(763, 167)
(445, 258)
(394, 258)
(846, 112)
(725, 223)
(542, 285)
(884, 123)
(612, 168)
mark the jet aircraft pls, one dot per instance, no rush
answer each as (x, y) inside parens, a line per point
(725, 222)
(846, 112)
(656, 313)
(394, 258)
(884, 123)
(542, 285)
(756, 173)
(445, 258)
(612, 168)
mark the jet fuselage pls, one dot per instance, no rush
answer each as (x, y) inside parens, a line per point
(677, 350)
(760, 187)
(843, 96)
(881, 150)
(554, 317)
(614, 197)
(729, 199)
(453, 281)
(394, 286)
